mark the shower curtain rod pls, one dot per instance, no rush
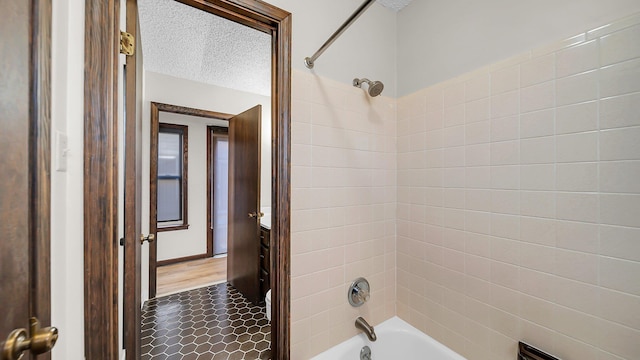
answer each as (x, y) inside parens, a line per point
(309, 61)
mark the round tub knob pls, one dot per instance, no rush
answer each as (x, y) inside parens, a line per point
(359, 292)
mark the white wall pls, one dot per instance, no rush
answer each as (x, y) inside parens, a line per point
(170, 90)
(438, 40)
(192, 241)
(67, 275)
(367, 49)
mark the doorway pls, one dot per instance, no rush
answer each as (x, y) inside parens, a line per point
(100, 124)
(217, 188)
(186, 145)
(180, 196)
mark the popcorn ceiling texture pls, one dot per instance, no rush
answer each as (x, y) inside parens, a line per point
(396, 5)
(184, 42)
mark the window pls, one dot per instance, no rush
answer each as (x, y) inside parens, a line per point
(172, 177)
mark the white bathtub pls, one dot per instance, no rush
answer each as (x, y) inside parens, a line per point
(396, 340)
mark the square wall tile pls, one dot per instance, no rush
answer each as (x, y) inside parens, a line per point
(620, 46)
(577, 147)
(537, 124)
(620, 111)
(579, 236)
(577, 118)
(505, 104)
(620, 79)
(478, 87)
(538, 97)
(577, 207)
(503, 129)
(620, 144)
(541, 150)
(621, 275)
(577, 177)
(620, 242)
(537, 70)
(577, 88)
(620, 176)
(538, 177)
(620, 209)
(478, 110)
(505, 80)
(577, 59)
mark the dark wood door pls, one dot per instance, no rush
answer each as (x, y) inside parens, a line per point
(25, 164)
(132, 189)
(243, 257)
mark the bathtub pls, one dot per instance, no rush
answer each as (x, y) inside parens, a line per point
(396, 340)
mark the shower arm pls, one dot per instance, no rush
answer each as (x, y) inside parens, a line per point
(309, 61)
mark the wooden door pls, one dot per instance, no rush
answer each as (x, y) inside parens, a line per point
(132, 189)
(243, 255)
(25, 38)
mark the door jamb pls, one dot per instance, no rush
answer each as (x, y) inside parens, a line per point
(100, 165)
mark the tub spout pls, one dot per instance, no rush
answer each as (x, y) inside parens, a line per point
(363, 325)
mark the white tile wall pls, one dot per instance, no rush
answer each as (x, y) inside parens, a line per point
(344, 205)
(540, 183)
(500, 206)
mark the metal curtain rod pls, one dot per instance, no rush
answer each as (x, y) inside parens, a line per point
(365, 5)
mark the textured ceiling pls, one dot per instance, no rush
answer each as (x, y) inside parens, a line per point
(188, 43)
(396, 5)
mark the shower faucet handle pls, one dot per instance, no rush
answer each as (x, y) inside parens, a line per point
(362, 293)
(359, 292)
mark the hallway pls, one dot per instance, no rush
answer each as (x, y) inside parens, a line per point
(214, 322)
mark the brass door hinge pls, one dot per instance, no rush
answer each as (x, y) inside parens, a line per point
(127, 43)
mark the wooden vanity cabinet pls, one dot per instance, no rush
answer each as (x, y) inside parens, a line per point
(265, 261)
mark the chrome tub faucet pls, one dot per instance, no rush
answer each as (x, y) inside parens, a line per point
(363, 325)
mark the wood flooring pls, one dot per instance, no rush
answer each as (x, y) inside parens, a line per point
(190, 275)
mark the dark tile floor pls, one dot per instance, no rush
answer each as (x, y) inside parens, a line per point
(214, 322)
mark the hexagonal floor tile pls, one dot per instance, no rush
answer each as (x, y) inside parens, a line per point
(214, 322)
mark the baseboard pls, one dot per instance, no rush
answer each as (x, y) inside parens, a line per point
(182, 259)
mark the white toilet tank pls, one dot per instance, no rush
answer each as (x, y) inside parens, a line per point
(267, 299)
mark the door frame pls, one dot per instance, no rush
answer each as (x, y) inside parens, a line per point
(102, 30)
(156, 108)
(28, 55)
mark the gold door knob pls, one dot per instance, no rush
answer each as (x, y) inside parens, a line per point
(40, 342)
(149, 238)
(257, 215)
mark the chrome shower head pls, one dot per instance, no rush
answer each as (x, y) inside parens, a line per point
(375, 87)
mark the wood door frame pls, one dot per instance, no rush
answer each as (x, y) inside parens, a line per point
(132, 254)
(211, 130)
(101, 48)
(40, 160)
(101, 51)
(156, 108)
(26, 109)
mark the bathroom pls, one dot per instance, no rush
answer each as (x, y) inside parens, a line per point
(489, 194)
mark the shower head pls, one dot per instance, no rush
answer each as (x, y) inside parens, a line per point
(375, 87)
